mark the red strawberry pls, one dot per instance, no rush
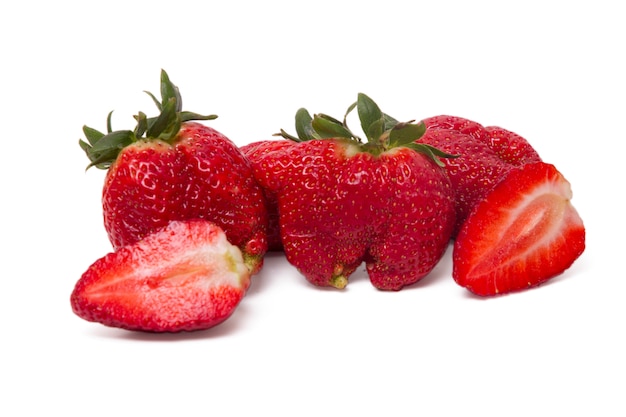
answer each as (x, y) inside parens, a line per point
(261, 155)
(186, 276)
(456, 124)
(510, 147)
(171, 168)
(342, 202)
(523, 233)
(485, 157)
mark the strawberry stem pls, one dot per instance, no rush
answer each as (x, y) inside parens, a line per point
(340, 282)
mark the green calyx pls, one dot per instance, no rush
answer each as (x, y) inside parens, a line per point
(382, 131)
(102, 149)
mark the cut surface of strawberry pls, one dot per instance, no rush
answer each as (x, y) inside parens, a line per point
(184, 277)
(523, 233)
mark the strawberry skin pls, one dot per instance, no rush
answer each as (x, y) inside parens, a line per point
(184, 277)
(523, 233)
(456, 124)
(510, 147)
(261, 156)
(473, 173)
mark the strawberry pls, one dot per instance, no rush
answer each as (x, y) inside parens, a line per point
(456, 124)
(510, 147)
(261, 155)
(523, 233)
(485, 157)
(184, 277)
(341, 202)
(174, 168)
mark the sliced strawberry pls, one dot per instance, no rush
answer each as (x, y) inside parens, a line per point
(186, 276)
(523, 233)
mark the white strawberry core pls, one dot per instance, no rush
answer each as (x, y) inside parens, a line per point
(543, 212)
(183, 254)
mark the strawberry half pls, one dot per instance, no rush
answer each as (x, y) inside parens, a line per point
(186, 276)
(523, 233)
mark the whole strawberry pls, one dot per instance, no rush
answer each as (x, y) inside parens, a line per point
(341, 201)
(173, 168)
(485, 157)
(262, 155)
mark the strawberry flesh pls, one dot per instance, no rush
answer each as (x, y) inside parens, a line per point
(523, 233)
(184, 277)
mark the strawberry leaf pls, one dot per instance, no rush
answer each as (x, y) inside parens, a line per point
(375, 131)
(158, 125)
(286, 135)
(170, 91)
(92, 135)
(109, 124)
(430, 151)
(186, 116)
(106, 149)
(155, 100)
(304, 126)
(371, 117)
(403, 134)
(142, 124)
(390, 122)
(329, 127)
(348, 111)
(114, 140)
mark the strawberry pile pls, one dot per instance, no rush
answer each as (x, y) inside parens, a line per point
(190, 215)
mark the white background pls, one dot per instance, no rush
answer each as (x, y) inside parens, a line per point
(551, 71)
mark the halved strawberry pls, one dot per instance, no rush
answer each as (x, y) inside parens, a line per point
(523, 233)
(186, 276)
